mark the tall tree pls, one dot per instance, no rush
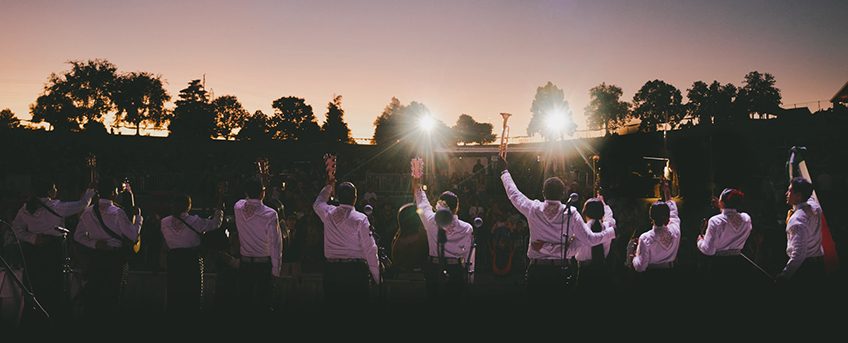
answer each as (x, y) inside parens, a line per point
(711, 103)
(657, 102)
(293, 120)
(468, 130)
(335, 129)
(77, 96)
(759, 95)
(605, 109)
(402, 124)
(229, 115)
(385, 126)
(8, 121)
(193, 117)
(551, 114)
(255, 128)
(140, 97)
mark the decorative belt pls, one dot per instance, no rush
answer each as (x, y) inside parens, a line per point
(261, 259)
(448, 260)
(345, 260)
(664, 265)
(548, 262)
(731, 252)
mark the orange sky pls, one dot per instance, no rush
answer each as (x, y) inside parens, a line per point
(474, 57)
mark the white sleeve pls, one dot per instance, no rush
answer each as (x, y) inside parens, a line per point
(276, 245)
(518, 199)
(707, 245)
(211, 223)
(796, 249)
(369, 249)
(642, 258)
(425, 210)
(322, 209)
(69, 208)
(19, 227)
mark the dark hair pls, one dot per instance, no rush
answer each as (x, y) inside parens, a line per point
(593, 208)
(408, 220)
(181, 203)
(732, 198)
(660, 213)
(346, 193)
(253, 188)
(40, 189)
(107, 187)
(451, 200)
(803, 187)
(553, 188)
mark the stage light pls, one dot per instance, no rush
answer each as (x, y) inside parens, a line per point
(556, 123)
(426, 123)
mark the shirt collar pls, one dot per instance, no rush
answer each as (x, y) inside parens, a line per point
(728, 211)
(800, 206)
(347, 206)
(557, 202)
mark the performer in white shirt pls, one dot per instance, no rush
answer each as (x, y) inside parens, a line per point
(656, 251)
(349, 247)
(106, 233)
(724, 240)
(549, 222)
(805, 267)
(260, 245)
(450, 242)
(594, 272)
(182, 233)
(35, 225)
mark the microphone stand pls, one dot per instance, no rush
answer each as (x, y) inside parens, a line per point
(565, 238)
(27, 292)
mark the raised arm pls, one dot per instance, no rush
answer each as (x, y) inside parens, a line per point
(69, 208)
(518, 199)
(211, 223)
(322, 209)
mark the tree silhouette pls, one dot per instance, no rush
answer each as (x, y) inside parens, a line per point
(335, 129)
(401, 124)
(8, 121)
(229, 115)
(551, 114)
(81, 94)
(657, 102)
(605, 109)
(194, 117)
(140, 97)
(759, 95)
(711, 103)
(293, 120)
(255, 128)
(468, 130)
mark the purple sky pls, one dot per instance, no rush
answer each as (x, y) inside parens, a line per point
(474, 57)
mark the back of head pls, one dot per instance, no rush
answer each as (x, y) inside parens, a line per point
(593, 208)
(107, 188)
(254, 189)
(41, 188)
(802, 187)
(408, 220)
(346, 193)
(660, 213)
(181, 204)
(553, 188)
(732, 198)
(451, 200)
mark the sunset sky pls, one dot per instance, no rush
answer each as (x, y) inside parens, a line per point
(474, 57)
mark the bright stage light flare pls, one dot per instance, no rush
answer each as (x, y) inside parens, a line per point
(426, 123)
(556, 122)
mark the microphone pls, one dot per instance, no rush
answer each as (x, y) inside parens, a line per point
(62, 230)
(368, 210)
(478, 222)
(572, 199)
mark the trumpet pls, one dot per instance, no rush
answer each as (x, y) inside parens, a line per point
(504, 136)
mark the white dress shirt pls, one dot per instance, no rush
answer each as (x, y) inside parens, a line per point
(547, 224)
(660, 244)
(89, 230)
(259, 232)
(726, 231)
(177, 235)
(584, 252)
(27, 225)
(459, 233)
(347, 232)
(803, 235)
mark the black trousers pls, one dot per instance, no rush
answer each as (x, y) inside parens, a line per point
(346, 283)
(102, 293)
(594, 277)
(254, 285)
(810, 276)
(446, 283)
(185, 280)
(44, 270)
(547, 283)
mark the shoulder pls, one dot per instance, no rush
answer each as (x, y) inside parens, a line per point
(717, 219)
(240, 203)
(745, 217)
(647, 237)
